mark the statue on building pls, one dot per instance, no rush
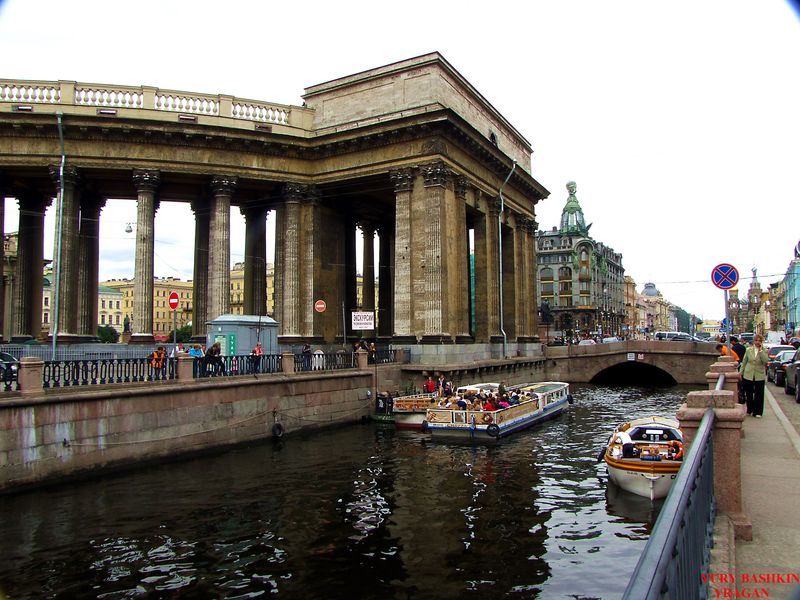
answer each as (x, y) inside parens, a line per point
(126, 325)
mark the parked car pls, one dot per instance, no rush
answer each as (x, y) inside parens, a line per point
(776, 367)
(791, 381)
(682, 337)
(587, 342)
(9, 367)
(667, 335)
(746, 338)
(775, 350)
(611, 340)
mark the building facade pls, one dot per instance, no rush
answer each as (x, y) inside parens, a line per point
(580, 280)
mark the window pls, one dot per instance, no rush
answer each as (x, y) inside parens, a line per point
(102, 303)
(117, 304)
(117, 317)
(102, 319)
(47, 301)
(46, 317)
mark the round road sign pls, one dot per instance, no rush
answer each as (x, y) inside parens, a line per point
(724, 276)
(320, 306)
(173, 300)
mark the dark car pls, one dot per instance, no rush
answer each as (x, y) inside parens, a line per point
(776, 367)
(9, 367)
(791, 381)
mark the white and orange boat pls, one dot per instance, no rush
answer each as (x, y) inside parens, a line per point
(643, 456)
(409, 411)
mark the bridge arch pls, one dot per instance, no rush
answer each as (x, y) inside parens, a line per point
(633, 373)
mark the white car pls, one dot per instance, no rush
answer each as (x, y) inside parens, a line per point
(586, 343)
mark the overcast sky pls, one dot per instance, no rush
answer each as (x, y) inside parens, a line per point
(679, 121)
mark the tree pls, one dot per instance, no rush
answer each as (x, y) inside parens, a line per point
(184, 334)
(107, 334)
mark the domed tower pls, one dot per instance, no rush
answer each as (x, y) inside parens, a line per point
(572, 220)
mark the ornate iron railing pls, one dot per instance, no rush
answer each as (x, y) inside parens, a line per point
(227, 366)
(70, 373)
(679, 548)
(385, 355)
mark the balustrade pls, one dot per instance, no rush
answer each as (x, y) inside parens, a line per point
(71, 373)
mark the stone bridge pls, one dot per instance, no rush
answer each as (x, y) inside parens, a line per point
(631, 362)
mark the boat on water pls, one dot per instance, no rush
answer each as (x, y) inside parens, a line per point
(537, 402)
(409, 411)
(643, 456)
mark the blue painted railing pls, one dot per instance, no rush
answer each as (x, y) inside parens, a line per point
(228, 366)
(679, 547)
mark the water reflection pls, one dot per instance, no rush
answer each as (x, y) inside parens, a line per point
(360, 511)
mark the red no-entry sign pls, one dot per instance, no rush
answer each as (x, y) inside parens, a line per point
(173, 300)
(320, 306)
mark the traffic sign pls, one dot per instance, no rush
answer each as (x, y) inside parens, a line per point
(724, 276)
(320, 306)
(173, 300)
(723, 325)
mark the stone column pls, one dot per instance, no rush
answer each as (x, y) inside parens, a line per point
(64, 291)
(350, 294)
(202, 213)
(460, 283)
(309, 253)
(403, 180)
(27, 294)
(146, 183)
(219, 246)
(385, 283)
(727, 433)
(290, 259)
(533, 301)
(88, 272)
(280, 228)
(255, 260)
(434, 311)
(486, 265)
(368, 274)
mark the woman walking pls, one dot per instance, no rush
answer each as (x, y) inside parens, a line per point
(753, 368)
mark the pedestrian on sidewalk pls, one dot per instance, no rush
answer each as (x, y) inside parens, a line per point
(754, 374)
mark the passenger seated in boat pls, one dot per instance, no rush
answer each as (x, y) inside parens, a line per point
(462, 404)
(514, 399)
(503, 403)
(488, 405)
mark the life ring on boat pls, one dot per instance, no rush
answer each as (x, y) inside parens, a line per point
(676, 445)
(278, 430)
(487, 418)
(493, 430)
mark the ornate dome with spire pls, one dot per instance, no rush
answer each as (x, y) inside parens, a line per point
(572, 220)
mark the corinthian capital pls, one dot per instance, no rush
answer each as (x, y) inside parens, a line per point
(436, 174)
(224, 184)
(293, 191)
(145, 180)
(462, 186)
(70, 175)
(403, 179)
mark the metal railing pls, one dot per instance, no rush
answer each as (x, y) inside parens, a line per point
(328, 361)
(679, 548)
(71, 373)
(228, 366)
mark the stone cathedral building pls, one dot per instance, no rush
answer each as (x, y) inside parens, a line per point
(410, 153)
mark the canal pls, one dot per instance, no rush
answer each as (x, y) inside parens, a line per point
(362, 511)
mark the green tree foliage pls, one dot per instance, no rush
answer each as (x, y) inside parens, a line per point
(184, 334)
(107, 334)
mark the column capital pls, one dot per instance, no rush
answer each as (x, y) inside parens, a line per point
(293, 191)
(436, 174)
(146, 180)
(403, 179)
(224, 184)
(462, 186)
(493, 206)
(71, 175)
(201, 206)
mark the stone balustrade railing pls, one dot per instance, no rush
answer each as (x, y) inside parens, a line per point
(133, 102)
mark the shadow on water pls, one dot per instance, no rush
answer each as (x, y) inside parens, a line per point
(360, 511)
(633, 373)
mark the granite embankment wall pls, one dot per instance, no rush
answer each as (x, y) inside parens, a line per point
(49, 434)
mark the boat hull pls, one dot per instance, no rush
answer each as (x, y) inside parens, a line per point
(648, 484)
(409, 420)
(492, 426)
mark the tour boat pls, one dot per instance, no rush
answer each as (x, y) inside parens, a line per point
(644, 455)
(538, 402)
(409, 411)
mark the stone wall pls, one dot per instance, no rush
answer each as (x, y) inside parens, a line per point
(55, 433)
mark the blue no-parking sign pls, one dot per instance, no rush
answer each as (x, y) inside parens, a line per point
(724, 276)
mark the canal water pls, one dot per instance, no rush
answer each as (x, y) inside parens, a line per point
(361, 511)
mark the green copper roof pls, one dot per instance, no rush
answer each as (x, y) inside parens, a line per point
(572, 220)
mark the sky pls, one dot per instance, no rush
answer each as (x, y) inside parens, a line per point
(679, 122)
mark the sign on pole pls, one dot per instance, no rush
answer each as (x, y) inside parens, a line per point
(320, 306)
(362, 320)
(724, 276)
(173, 300)
(173, 304)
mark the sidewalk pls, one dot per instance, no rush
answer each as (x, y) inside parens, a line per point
(771, 496)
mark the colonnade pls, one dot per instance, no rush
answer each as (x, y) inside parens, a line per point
(439, 257)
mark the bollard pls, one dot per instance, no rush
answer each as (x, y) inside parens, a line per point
(30, 375)
(287, 362)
